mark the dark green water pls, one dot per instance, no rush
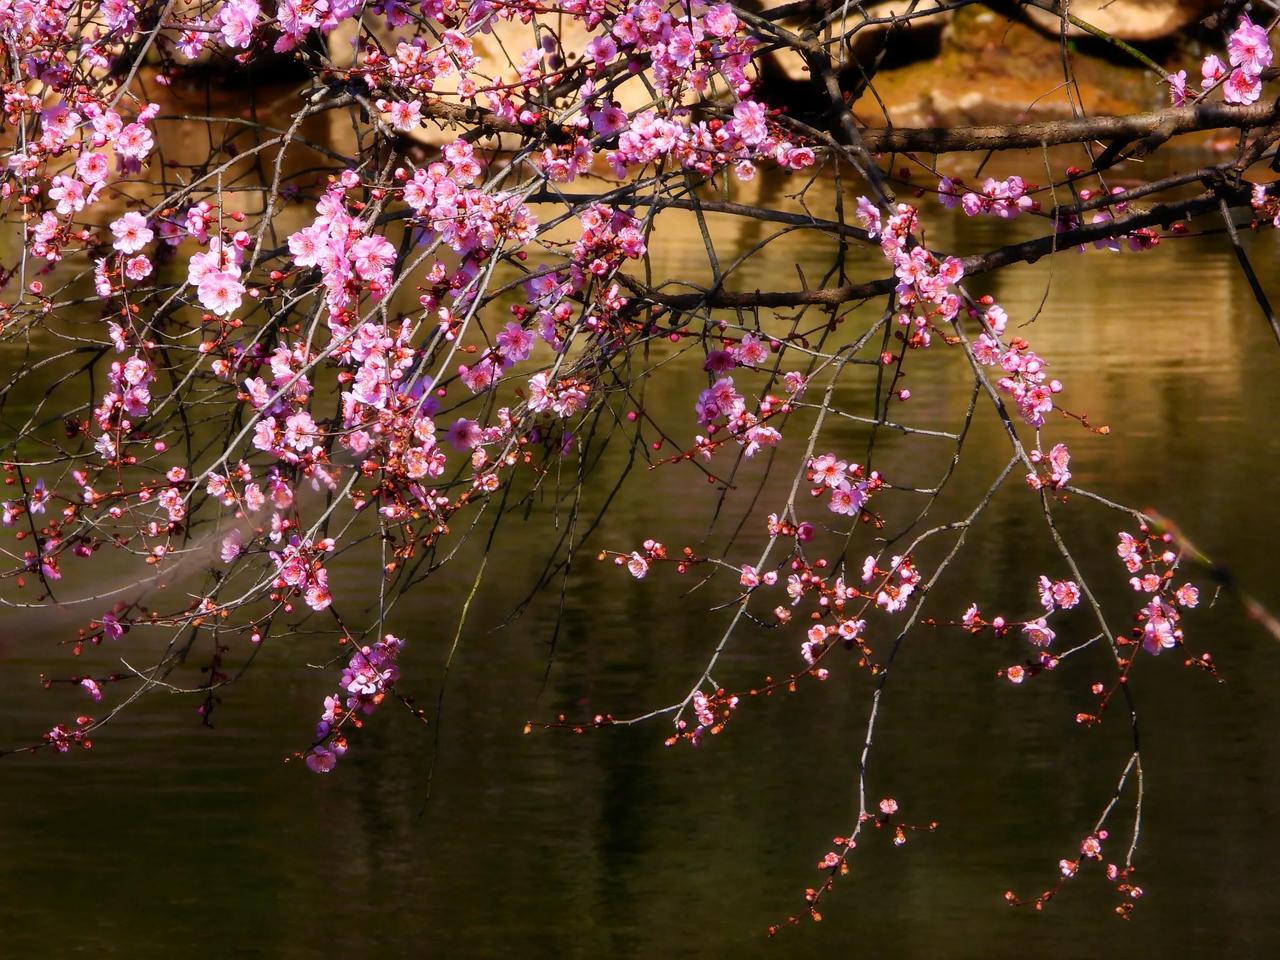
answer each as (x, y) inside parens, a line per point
(169, 839)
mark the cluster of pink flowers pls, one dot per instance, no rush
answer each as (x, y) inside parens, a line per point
(897, 583)
(1058, 594)
(1249, 53)
(847, 630)
(637, 563)
(366, 679)
(925, 283)
(471, 222)
(1054, 595)
(609, 237)
(851, 487)
(130, 397)
(1025, 378)
(350, 259)
(300, 569)
(1160, 619)
(62, 738)
(1006, 199)
(703, 147)
(711, 712)
(1058, 462)
(721, 407)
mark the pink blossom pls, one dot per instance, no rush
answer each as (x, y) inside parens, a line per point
(131, 232)
(237, 18)
(1038, 632)
(638, 566)
(1241, 87)
(230, 546)
(1129, 550)
(1187, 595)
(749, 122)
(463, 434)
(137, 268)
(221, 292)
(1248, 48)
(750, 352)
(1212, 70)
(848, 498)
(720, 20)
(92, 167)
(404, 115)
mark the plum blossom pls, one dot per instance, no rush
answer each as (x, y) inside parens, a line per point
(221, 292)
(638, 566)
(131, 232)
(1248, 47)
(1038, 632)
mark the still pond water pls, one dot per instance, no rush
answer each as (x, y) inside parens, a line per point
(169, 839)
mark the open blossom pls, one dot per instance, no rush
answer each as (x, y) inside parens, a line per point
(749, 122)
(93, 167)
(1242, 87)
(220, 292)
(321, 760)
(848, 498)
(1056, 594)
(137, 268)
(1129, 550)
(131, 232)
(828, 470)
(112, 628)
(1038, 632)
(638, 566)
(1247, 47)
(514, 343)
(134, 143)
(404, 115)
(750, 352)
(237, 19)
(231, 546)
(1059, 460)
(1160, 630)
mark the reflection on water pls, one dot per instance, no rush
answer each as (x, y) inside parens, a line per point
(170, 837)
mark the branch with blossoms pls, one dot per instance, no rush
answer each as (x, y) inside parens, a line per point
(379, 320)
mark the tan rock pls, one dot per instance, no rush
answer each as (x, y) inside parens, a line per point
(499, 52)
(1127, 19)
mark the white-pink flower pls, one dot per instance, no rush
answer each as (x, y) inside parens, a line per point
(131, 232)
(220, 292)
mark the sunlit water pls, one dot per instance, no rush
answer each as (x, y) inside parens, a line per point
(170, 839)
